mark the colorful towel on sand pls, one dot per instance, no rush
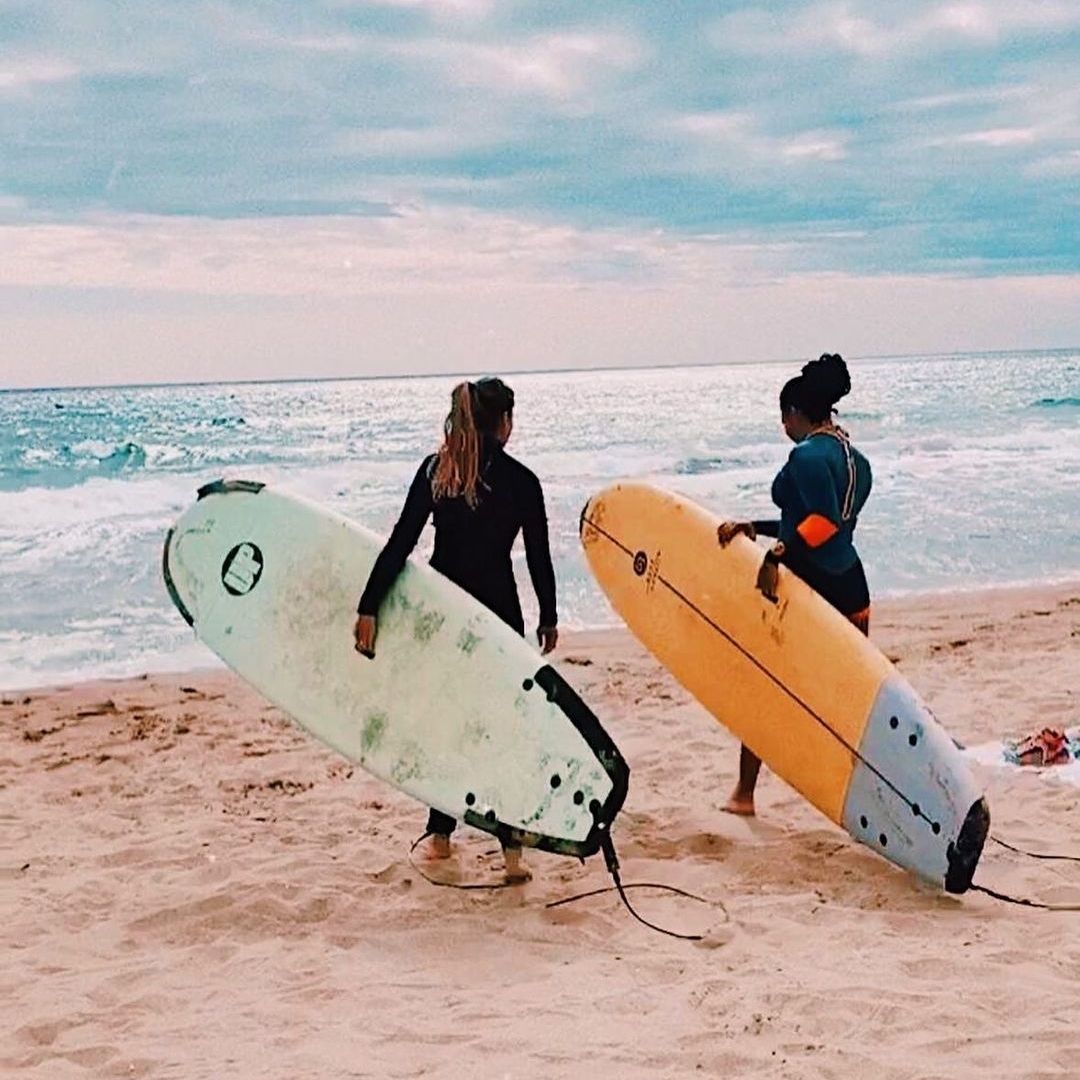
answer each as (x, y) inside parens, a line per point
(1051, 746)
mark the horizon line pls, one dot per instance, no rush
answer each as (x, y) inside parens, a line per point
(385, 377)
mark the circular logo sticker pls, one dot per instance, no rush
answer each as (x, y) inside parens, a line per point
(242, 568)
(641, 563)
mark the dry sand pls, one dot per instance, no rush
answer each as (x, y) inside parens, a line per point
(192, 888)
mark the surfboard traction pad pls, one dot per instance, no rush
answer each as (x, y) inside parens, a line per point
(558, 692)
(900, 803)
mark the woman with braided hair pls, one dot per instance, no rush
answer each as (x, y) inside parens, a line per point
(480, 498)
(820, 492)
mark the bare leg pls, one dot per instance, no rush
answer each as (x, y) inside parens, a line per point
(439, 828)
(517, 873)
(437, 847)
(742, 798)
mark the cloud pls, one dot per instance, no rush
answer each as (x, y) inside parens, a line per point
(560, 66)
(413, 143)
(999, 137)
(444, 9)
(70, 336)
(1057, 165)
(409, 248)
(742, 144)
(870, 30)
(23, 75)
(825, 135)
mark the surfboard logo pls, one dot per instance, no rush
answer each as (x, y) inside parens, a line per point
(242, 568)
(641, 563)
(653, 574)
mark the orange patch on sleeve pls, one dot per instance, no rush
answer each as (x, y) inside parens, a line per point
(816, 529)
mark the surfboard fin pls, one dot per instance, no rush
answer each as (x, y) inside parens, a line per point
(963, 853)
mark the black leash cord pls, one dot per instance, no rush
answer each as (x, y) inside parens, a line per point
(1034, 854)
(632, 885)
(612, 862)
(1022, 902)
(452, 884)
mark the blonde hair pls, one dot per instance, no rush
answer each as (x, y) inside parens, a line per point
(457, 469)
(476, 409)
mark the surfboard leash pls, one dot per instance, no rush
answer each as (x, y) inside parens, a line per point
(1022, 901)
(1049, 856)
(465, 886)
(611, 860)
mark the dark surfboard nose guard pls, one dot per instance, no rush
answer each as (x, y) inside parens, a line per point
(963, 853)
(560, 693)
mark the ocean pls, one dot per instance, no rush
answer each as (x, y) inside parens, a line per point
(976, 462)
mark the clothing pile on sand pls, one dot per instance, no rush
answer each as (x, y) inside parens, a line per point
(1050, 746)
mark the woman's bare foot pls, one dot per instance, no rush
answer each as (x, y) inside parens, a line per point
(517, 873)
(740, 804)
(437, 847)
(742, 798)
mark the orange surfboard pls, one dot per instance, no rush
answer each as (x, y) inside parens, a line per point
(794, 681)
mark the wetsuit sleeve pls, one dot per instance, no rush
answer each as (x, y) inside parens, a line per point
(814, 482)
(767, 528)
(534, 527)
(414, 515)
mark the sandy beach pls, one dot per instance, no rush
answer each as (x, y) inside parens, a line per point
(193, 888)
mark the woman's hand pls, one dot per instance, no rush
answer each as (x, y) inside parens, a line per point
(767, 578)
(727, 532)
(548, 638)
(364, 632)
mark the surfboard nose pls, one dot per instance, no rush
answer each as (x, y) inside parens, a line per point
(963, 854)
(170, 581)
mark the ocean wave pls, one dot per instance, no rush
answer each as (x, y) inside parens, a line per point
(695, 466)
(68, 466)
(72, 464)
(1057, 403)
(129, 455)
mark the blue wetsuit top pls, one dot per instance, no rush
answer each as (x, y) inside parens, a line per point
(820, 492)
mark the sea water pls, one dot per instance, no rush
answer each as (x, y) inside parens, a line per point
(976, 464)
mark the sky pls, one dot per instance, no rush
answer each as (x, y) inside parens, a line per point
(337, 187)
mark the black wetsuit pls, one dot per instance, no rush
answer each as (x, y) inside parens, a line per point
(473, 545)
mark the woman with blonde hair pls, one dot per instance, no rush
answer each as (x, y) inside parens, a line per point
(480, 498)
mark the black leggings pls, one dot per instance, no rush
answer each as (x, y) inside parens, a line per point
(847, 591)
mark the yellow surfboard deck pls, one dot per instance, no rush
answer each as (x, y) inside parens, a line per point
(794, 681)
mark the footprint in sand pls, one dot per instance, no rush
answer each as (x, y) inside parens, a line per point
(105, 708)
(37, 734)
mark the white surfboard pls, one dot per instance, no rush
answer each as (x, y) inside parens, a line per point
(455, 709)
